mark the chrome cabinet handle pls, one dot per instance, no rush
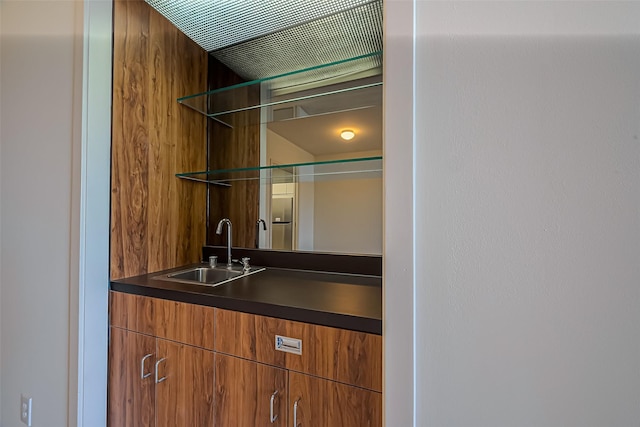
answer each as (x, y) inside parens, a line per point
(295, 413)
(273, 398)
(163, 378)
(142, 374)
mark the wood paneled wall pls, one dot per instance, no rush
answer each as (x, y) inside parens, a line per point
(237, 146)
(157, 220)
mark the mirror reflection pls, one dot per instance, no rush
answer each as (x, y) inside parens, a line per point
(331, 112)
(343, 214)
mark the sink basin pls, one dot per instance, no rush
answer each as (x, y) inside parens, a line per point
(208, 276)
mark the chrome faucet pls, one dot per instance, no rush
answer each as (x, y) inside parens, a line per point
(264, 227)
(222, 222)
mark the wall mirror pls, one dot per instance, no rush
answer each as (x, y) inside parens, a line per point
(334, 204)
(284, 82)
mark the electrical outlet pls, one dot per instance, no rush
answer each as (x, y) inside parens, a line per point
(25, 409)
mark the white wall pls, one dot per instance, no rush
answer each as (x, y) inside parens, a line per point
(351, 155)
(282, 151)
(42, 127)
(91, 189)
(348, 216)
(0, 211)
(348, 212)
(326, 209)
(527, 222)
(398, 192)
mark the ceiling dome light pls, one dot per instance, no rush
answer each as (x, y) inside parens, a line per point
(347, 134)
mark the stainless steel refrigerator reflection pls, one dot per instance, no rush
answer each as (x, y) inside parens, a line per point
(282, 223)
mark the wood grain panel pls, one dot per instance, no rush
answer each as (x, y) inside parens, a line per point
(243, 392)
(162, 144)
(157, 221)
(177, 321)
(130, 139)
(132, 312)
(186, 323)
(247, 336)
(324, 403)
(185, 397)
(234, 147)
(131, 399)
(192, 137)
(338, 354)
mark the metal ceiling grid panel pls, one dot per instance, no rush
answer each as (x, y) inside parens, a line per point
(350, 33)
(214, 24)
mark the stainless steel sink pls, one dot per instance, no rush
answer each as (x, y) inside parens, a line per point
(209, 276)
(205, 275)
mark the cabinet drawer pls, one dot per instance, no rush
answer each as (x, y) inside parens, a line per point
(176, 321)
(337, 354)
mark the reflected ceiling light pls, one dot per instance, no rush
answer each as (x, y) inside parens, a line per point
(347, 134)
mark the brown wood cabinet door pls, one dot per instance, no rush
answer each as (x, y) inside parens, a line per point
(244, 391)
(322, 403)
(184, 388)
(131, 389)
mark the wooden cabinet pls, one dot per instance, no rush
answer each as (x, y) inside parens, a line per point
(184, 391)
(174, 364)
(249, 394)
(336, 379)
(316, 402)
(176, 321)
(131, 390)
(160, 363)
(337, 354)
(156, 382)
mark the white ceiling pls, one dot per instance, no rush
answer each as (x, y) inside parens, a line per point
(320, 135)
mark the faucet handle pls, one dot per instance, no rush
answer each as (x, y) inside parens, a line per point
(213, 261)
(245, 263)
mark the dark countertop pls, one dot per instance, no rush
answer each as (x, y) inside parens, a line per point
(347, 301)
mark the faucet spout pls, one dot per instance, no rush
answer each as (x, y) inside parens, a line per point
(221, 224)
(264, 227)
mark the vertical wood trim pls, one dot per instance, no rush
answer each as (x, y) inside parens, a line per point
(235, 147)
(129, 169)
(161, 142)
(191, 136)
(157, 221)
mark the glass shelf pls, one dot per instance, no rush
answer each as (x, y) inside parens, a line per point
(345, 85)
(359, 168)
